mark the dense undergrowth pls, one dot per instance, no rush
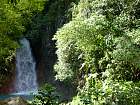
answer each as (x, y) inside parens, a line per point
(99, 50)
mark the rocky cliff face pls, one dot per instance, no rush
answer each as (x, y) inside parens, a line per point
(7, 80)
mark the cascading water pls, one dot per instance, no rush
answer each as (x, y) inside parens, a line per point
(26, 80)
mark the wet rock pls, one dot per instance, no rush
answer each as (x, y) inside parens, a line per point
(17, 101)
(14, 101)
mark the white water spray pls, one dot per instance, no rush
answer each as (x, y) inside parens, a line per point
(26, 80)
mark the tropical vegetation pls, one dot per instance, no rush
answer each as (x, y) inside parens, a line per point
(97, 46)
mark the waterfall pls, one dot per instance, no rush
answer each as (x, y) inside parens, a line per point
(26, 80)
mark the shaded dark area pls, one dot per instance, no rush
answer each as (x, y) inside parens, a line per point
(43, 46)
(7, 84)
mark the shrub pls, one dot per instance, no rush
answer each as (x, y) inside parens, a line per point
(107, 92)
(46, 96)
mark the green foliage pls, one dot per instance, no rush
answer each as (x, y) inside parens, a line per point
(37, 27)
(67, 63)
(107, 92)
(14, 17)
(125, 60)
(103, 36)
(87, 37)
(101, 31)
(46, 96)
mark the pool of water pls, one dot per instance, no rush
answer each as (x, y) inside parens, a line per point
(27, 96)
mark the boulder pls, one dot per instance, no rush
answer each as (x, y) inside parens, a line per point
(14, 101)
(3, 103)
